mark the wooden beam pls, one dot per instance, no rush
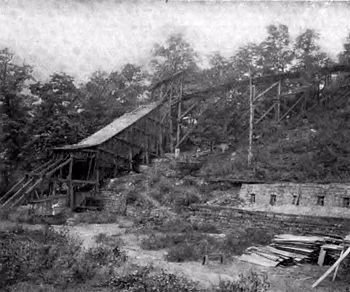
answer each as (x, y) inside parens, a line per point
(265, 114)
(90, 163)
(171, 122)
(189, 131)
(50, 198)
(4, 197)
(27, 192)
(265, 91)
(291, 108)
(178, 128)
(18, 192)
(251, 120)
(58, 167)
(333, 267)
(188, 110)
(278, 103)
(42, 166)
(57, 162)
(70, 185)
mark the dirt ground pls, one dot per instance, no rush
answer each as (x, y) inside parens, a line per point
(282, 279)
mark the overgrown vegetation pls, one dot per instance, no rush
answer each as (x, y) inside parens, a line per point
(251, 282)
(190, 242)
(38, 115)
(95, 217)
(47, 257)
(147, 279)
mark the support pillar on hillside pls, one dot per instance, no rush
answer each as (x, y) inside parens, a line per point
(278, 102)
(70, 183)
(251, 120)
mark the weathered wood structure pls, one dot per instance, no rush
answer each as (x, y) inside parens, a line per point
(75, 171)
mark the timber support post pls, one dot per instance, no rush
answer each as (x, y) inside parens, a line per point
(171, 121)
(70, 183)
(278, 102)
(97, 168)
(178, 131)
(251, 120)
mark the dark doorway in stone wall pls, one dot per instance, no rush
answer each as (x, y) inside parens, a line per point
(320, 200)
(252, 198)
(346, 202)
(273, 199)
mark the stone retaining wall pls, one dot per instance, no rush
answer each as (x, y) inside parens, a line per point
(229, 217)
(114, 202)
(305, 194)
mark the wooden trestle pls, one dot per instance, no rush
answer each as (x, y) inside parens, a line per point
(153, 129)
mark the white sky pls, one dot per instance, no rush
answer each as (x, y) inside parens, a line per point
(80, 37)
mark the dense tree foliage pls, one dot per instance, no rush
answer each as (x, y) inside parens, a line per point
(39, 115)
(14, 112)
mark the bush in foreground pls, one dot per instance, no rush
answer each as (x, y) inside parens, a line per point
(252, 282)
(144, 279)
(49, 257)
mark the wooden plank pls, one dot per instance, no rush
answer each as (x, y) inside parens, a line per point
(42, 166)
(258, 260)
(27, 192)
(70, 184)
(332, 268)
(50, 198)
(178, 128)
(291, 108)
(97, 169)
(265, 114)
(188, 110)
(251, 121)
(90, 164)
(18, 192)
(5, 197)
(336, 269)
(278, 105)
(58, 167)
(265, 91)
(54, 164)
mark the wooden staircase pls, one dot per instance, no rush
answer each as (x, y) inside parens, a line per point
(22, 191)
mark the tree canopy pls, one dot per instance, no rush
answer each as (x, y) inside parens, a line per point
(39, 115)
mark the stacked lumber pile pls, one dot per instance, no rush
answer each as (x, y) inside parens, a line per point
(288, 249)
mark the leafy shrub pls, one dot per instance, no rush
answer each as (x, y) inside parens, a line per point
(184, 252)
(147, 279)
(50, 257)
(205, 227)
(103, 255)
(252, 282)
(160, 241)
(5, 213)
(131, 197)
(238, 241)
(177, 225)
